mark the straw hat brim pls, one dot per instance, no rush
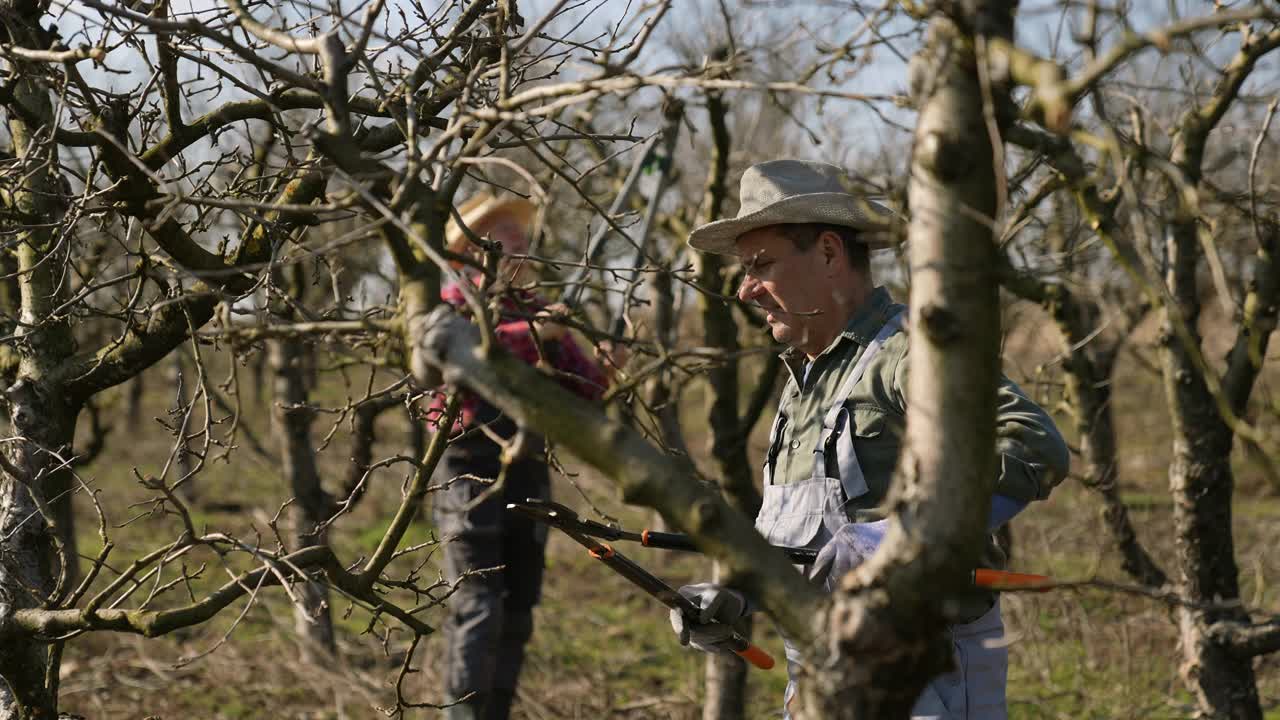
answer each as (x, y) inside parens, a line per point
(480, 207)
(870, 218)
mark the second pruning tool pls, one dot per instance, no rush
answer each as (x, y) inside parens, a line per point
(559, 516)
(649, 538)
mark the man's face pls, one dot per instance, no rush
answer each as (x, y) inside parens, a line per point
(789, 284)
(507, 230)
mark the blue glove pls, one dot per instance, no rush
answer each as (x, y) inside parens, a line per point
(855, 542)
(712, 629)
(851, 544)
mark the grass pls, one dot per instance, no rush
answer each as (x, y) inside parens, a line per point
(602, 649)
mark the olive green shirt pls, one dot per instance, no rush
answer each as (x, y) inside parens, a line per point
(1033, 455)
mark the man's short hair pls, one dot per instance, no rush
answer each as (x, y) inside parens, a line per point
(804, 235)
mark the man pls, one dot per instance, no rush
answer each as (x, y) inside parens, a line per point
(490, 616)
(804, 240)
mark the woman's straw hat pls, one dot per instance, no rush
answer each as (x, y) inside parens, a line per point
(478, 208)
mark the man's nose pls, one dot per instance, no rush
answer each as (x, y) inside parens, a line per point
(749, 288)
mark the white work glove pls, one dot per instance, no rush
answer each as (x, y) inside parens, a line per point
(851, 544)
(711, 630)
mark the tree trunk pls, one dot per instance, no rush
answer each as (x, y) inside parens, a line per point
(881, 647)
(312, 504)
(1097, 439)
(37, 562)
(257, 376)
(726, 675)
(1089, 375)
(659, 397)
(1090, 347)
(37, 550)
(1202, 483)
(1200, 475)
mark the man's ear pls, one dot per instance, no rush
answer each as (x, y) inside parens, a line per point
(831, 246)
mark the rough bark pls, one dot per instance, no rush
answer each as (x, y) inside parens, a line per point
(1201, 481)
(884, 637)
(363, 435)
(725, 420)
(726, 674)
(659, 396)
(34, 567)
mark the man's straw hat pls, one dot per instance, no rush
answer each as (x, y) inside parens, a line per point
(795, 191)
(477, 208)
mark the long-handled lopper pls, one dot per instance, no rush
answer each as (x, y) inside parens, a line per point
(648, 538)
(567, 520)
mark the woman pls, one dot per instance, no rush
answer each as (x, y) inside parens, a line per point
(491, 613)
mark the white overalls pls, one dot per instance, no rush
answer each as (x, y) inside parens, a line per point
(808, 513)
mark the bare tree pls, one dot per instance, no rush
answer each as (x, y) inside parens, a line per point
(1168, 228)
(147, 216)
(214, 228)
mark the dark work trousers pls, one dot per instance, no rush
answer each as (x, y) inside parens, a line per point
(490, 616)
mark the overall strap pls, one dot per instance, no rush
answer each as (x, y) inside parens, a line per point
(779, 419)
(851, 479)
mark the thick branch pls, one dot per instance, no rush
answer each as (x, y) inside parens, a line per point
(1247, 640)
(143, 345)
(281, 39)
(83, 52)
(152, 623)
(1099, 213)
(168, 63)
(646, 475)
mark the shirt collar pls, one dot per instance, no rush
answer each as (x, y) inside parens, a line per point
(862, 328)
(866, 323)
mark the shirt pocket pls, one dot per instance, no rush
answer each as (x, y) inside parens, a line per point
(876, 441)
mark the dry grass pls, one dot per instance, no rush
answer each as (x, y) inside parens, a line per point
(603, 650)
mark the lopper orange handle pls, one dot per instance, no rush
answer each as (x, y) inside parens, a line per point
(754, 655)
(1002, 580)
